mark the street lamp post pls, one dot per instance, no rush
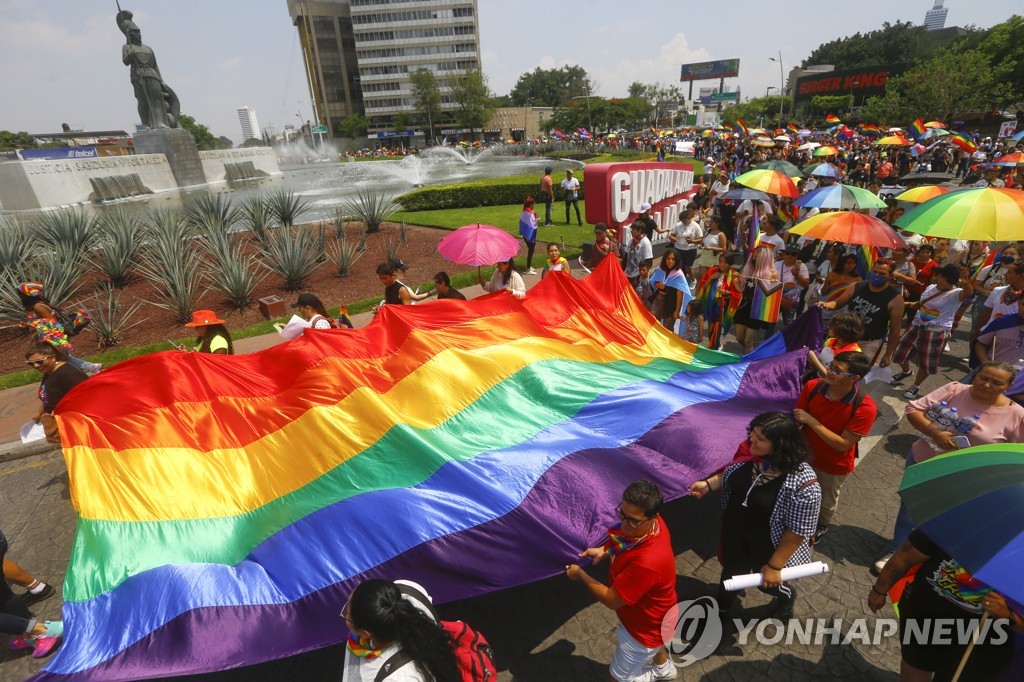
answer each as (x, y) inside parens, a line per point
(782, 88)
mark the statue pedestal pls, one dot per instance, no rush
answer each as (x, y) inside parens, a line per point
(179, 148)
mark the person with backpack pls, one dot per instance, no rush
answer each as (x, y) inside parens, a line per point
(643, 584)
(395, 634)
(835, 413)
(312, 310)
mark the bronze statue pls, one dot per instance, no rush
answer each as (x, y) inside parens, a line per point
(158, 105)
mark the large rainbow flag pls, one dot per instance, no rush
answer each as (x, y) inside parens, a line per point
(228, 505)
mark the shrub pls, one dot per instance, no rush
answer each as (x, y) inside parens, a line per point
(286, 206)
(111, 320)
(292, 255)
(71, 227)
(118, 248)
(172, 264)
(340, 223)
(344, 255)
(492, 192)
(373, 207)
(257, 216)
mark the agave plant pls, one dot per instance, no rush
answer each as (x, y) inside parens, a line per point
(292, 255)
(373, 207)
(362, 239)
(257, 217)
(340, 223)
(178, 281)
(172, 264)
(344, 255)
(15, 245)
(402, 238)
(11, 309)
(70, 227)
(286, 206)
(59, 268)
(117, 251)
(217, 209)
(220, 246)
(237, 278)
(111, 320)
(391, 248)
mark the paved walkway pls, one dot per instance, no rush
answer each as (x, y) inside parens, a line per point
(553, 630)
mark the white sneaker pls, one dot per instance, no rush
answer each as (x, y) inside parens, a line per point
(531, 271)
(657, 673)
(880, 564)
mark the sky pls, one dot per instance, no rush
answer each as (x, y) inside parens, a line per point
(60, 60)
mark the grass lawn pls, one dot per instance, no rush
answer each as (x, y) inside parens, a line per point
(507, 218)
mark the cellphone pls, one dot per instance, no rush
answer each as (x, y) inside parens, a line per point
(961, 442)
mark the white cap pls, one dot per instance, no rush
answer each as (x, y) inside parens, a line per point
(645, 207)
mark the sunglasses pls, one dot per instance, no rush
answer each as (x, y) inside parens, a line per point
(832, 370)
(35, 363)
(632, 523)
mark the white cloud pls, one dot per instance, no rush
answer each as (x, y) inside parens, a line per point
(614, 81)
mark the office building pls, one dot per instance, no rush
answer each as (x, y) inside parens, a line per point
(935, 18)
(378, 45)
(250, 126)
(329, 57)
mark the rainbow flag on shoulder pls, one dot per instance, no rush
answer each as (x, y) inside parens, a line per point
(228, 505)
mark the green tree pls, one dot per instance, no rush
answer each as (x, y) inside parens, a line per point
(201, 134)
(952, 82)
(353, 126)
(893, 43)
(1003, 45)
(754, 110)
(551, 87)
(473, 99)
(19, 140)
(401, 122)
(427, 93)
(829, 104)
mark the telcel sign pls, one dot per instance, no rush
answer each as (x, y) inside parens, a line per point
(616, 190)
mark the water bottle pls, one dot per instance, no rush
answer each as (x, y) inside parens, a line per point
(948, 417)
(935, 409)
(965, 425)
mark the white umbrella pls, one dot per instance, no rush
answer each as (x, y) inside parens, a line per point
(808, 146)
(783, 138)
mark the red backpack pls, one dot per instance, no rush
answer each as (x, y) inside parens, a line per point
(472, 652)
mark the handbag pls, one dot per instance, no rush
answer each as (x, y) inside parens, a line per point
(72, 323)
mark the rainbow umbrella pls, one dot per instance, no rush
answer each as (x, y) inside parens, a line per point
(784, 167)
(845, 197)
(894, 140)
(934, 133)
(1014, 159)
(756, 131)
(989, 213)
(826, 170)
(935, 124)
(825, 151)
(478, 245)
(762, 142)
(971, 503)
(813, 167)
(849, 227)
(772, 182)
(921, 194)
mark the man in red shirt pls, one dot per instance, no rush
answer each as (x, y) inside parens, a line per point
(836, 413)
(643, 589)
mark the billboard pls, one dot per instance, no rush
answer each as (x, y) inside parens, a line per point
(722, 68)
(861, 83)
(59, 153)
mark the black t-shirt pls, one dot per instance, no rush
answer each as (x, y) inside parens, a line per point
(872, 307)
(649, 226)
(452, 293)
(942, 588)
(55, 385)
(391, 293)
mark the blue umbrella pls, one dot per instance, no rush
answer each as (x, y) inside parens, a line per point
(843, 197)
(744, 193)
(1018, 136)
(827, 170)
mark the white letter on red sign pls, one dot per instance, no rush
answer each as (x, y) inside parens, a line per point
(620, 196)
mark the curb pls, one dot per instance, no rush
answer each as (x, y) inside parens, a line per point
(10, 452)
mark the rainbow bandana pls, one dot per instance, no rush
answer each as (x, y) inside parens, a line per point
(361, 651)
(619, 542)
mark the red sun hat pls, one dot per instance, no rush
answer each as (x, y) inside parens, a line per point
(203, 318)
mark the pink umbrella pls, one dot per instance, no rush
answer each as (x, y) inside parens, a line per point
(478, 245)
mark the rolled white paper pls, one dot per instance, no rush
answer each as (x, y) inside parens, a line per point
(742, 582)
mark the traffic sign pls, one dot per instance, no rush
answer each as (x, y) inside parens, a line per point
(319, 129)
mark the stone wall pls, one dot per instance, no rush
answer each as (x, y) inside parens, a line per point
(263, 158)
(32, 185)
